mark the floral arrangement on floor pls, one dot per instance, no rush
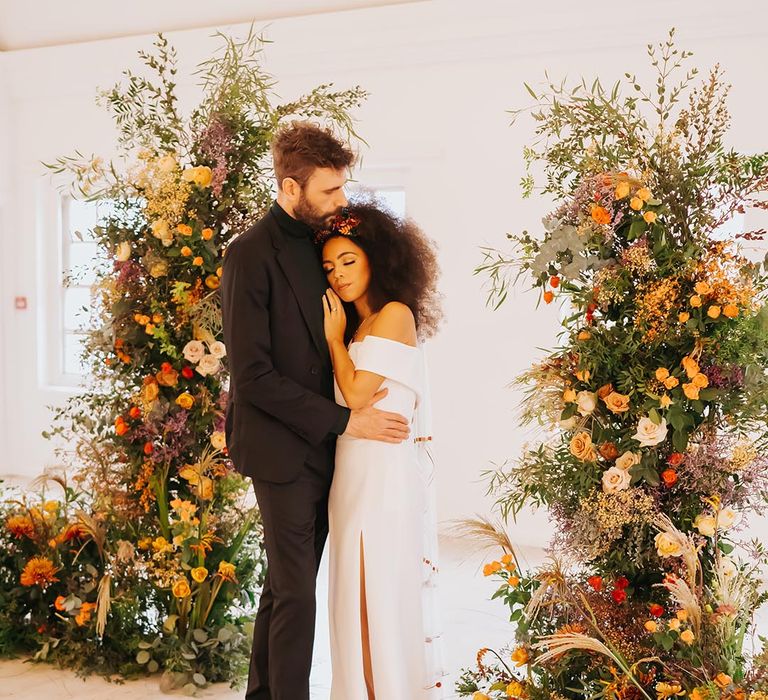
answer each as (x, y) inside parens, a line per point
(145, 553)
(654, 405)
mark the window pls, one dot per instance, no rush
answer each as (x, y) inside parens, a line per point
(80, 259)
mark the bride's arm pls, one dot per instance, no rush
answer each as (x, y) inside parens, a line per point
(395, 322)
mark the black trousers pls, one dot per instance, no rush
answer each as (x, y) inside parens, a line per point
(295, 519)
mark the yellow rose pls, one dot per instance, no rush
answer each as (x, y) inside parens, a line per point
(665, 401)
(185, 400)
(695, 301)
(713, 311)
(477, 695)
(584, 335)
(650, 217)
(199, 573)
(617, 403)
(687, 637)
(227, 571)
(159, 269)
(662, 373)
(674, 625)
(651, 626)
(582, 447)
(683, 317)
(666, 546)
(203, 176)
(636, 203)
(691, 391)
(622, 190)
(644, 193)
(181, 588)
(682, 615)
(515, 689)
(569, 395)
(700, 380)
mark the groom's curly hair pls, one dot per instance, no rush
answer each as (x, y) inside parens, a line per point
(403, 263)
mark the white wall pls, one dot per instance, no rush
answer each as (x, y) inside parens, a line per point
(442, 75)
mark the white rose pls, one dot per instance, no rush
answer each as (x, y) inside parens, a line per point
(615, 479)
(218, 440)
(217, 349)
(166, 164)
(727, 567)
(208, 365)
(123, 252)
(193, 351)
(727, 518)
(705, 524)
(627, 460)
(649, 434)
(586, 401)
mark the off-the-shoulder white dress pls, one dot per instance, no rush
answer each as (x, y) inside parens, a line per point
(382, 510)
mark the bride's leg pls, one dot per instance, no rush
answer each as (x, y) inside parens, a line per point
(365, 639)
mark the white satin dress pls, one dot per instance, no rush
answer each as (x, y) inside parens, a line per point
(382, 496)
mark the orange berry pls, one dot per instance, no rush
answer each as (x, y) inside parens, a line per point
(548, 297)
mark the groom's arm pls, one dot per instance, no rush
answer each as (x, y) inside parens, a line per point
(245, 316)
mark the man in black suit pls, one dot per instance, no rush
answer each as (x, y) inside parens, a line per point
(282, 421)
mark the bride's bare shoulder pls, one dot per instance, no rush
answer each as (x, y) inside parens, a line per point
(395, 321)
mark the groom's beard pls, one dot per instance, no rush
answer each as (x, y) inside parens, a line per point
(310, 215)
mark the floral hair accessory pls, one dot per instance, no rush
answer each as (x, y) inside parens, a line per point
(345, 224)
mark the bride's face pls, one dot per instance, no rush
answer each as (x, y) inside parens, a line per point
(346, 266)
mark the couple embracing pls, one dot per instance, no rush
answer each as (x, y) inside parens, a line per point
(324, 306)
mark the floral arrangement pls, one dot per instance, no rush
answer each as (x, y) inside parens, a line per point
(654, 407)
(148, 556)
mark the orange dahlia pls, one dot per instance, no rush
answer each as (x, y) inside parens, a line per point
(39, 571)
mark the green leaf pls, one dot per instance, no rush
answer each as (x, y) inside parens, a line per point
(636, 229)
(654, 416)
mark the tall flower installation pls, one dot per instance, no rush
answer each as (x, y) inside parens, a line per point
(653, 407)
(145, 555)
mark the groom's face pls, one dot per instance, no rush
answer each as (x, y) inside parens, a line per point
(321, 198)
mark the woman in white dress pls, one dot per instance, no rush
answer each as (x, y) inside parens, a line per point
(385, 640)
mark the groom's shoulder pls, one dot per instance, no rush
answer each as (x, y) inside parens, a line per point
(256, 241)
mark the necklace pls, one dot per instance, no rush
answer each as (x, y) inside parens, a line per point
(367, 321)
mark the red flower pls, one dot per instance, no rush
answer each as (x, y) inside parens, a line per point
(554, 282)
(187, 373)
(675, 459)
(669, 477)
(621, 583)
(135, 412)
(596, 582)
(148, 448)
(656, 610)
(619, 595)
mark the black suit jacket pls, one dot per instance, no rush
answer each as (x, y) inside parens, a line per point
(281, 406)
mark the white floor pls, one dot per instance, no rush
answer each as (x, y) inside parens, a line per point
(471, 621)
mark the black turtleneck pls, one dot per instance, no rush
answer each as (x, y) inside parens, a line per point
(306, 255)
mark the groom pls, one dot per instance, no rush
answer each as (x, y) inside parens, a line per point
(282, 421)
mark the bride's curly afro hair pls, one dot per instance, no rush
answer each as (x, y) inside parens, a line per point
(403, 263)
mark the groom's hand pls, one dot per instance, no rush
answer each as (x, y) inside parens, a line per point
(372, 424)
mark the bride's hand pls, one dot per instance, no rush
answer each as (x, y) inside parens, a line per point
(335, 319)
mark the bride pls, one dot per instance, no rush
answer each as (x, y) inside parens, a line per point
(382, 301)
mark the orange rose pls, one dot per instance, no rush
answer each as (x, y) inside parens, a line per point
(207, 234)
(671, 382)
(184, 230)
(608, 450)
(212, 282)
(662, 373)
(650, 217)
(604, 390)
(669, 477)
(702, 288)
(690, 366)
(644, 193)
(197, 261)
(700, 380)
(199, 573)
(691, 391)
(185, 400)
(582, 448)
(683, 317)
(181, 588)
(617, 403)
(622, 190)
(723, 680)
(713, 311)
(601, 215)
(731, 310)
(695, 301)
(186, 251)
(167, 376)
(636, 203)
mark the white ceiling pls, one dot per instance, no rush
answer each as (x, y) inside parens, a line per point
(35, 23)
